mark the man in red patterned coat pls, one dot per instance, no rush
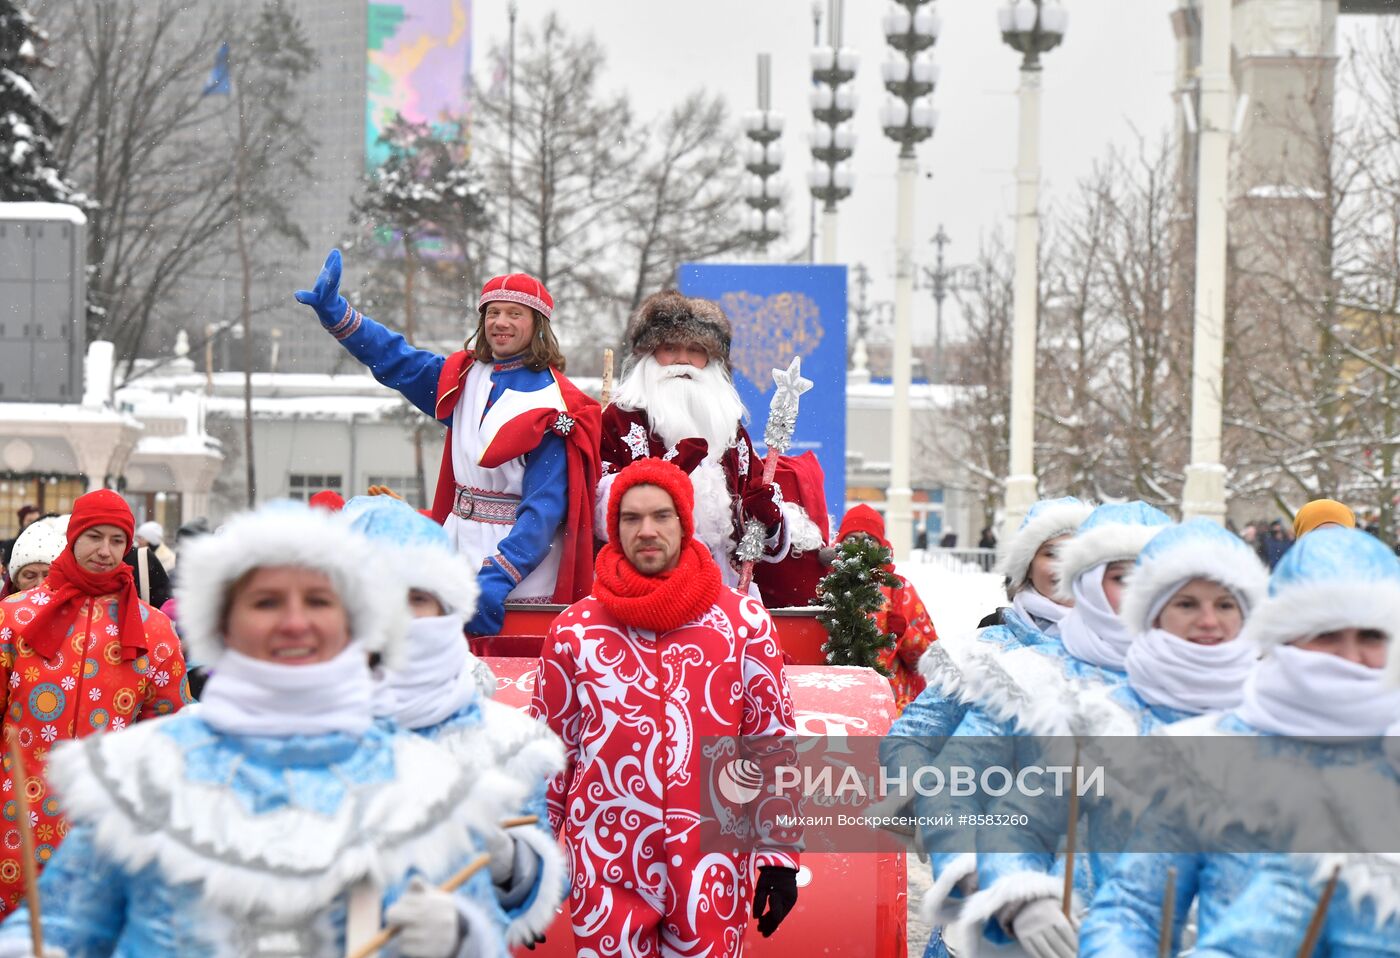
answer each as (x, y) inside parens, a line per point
(633, 678)
(677, 401)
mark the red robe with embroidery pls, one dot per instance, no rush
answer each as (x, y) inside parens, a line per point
(579, 423)
(632, 708)
(84, 689)
(901, 657)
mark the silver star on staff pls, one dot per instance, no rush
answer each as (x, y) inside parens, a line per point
(782, 410)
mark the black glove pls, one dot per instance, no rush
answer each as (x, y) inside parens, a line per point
(777, 889)
(690, 453)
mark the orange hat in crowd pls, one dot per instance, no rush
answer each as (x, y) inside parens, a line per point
(1321, 512)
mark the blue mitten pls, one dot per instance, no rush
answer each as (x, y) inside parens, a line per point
(325, 298)
(490, 614)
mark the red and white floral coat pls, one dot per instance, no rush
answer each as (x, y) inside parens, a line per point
(632, 708)
(901, 657)
(84, 689)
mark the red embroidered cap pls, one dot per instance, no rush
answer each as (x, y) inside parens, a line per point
(517, 288)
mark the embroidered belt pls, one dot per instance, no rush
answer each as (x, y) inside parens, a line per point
(483, 505)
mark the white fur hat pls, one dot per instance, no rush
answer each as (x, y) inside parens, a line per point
(416, 549)
(43, 540)
(286, 534)
(1114, 532)
(1199, 549)
(1046, 519)
(1331, 579)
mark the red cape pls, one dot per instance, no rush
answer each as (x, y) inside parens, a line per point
(581, 428)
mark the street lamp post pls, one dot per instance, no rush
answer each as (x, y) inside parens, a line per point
(1204, 490)
(942, 280)
(833, 101)
(908, 118)
(1032, 27)
(763, 159)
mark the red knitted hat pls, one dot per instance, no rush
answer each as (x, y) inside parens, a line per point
(100, 508)
(862, 518)
(327, 499)
(654, 472)
(517, 288)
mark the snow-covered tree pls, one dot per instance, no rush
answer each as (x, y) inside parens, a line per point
(28, 172)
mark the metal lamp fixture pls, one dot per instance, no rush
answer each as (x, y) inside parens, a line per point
(833, 140)
(908, 118)
(763, 158)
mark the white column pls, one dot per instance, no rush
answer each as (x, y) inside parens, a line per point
(1204, 491)
(829, 236)
(898, 515)
(1020, 481)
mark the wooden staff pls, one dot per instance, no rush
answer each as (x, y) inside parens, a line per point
(1164, 934)
(386, 935)
(606, 396)
(519, 820)
(26, 848)
(1072, 833)
(1318, 915)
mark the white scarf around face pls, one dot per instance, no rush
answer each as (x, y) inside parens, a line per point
(1045, 614)
(438, 678)
(1166, 669)
(1092, 631)
(247, 696)
(1316, 695)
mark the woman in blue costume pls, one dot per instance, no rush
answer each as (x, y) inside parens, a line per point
(276, 818)
(1034, 690)
(437, 692)
(1331, 612)
(1028, 567)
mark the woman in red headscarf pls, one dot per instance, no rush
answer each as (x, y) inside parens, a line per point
(79, 653)
(903, 615)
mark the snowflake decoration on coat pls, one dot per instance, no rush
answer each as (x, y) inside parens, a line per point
(636, 440)
(825, 679)
(563, 425)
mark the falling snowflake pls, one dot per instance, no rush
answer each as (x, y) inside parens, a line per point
(830, 681)
(48, 733)
(161, 679)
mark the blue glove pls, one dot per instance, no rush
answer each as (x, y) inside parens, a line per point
(490, 614)
(330, 306)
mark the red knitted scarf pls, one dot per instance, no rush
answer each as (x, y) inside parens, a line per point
(660, 602)
(71, 584)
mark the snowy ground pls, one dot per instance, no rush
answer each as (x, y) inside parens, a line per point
(956, 598)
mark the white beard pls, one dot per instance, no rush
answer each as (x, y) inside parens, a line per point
(682, 402)
(714, 511)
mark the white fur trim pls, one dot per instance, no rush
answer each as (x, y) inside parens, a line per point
(803, 534)
(551, 885)
(932, 907)
(943, 662)
(447, 575)
(1236, 569)
(482, 939)
(600, 506)
(1052, 521)
(714, 508)
(1108, 543)
(287, 536)
(289, 862)
(1014, 890)
(1373, 877)
(1302, 611)
(522, 747)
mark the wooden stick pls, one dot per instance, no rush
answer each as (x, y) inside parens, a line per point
(1072, 833)
(386, 935)
(26, 848)
(606, 396)
(519, 820)
(1164, 934)
(1319, 913)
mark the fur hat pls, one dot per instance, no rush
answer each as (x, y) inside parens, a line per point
(1198, 549)
(517, 288)
(43, 540)
(1113, 532)
(654, 472)
(416, 550)
(151, 532)
(286, 534)
(1330, 579)
(1046, 519)
(669, 317)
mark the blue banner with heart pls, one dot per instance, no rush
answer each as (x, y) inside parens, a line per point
(779, 312)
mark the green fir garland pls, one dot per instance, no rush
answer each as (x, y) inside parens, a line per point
(850, 596)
